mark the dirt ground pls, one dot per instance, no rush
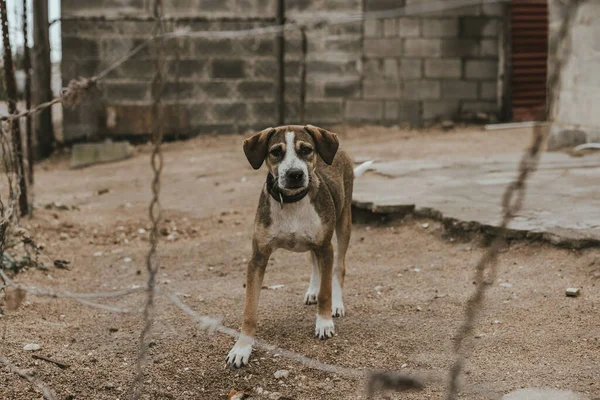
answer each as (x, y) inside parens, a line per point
(405, 290)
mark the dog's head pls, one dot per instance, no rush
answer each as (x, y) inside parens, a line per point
(291, 153)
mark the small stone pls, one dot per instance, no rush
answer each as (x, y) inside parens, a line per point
(479, 335)
(98, 254)
(282, 373)
(447, 125)
(506, 284)
(259, 390)
(573, 292)
(275, 396)
(141, 231)
(404, 365)
(275, 287)
(32, 347)
(127, 259)
(425, 225)
(63, 236)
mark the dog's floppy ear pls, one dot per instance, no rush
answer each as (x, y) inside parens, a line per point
(255, 147)
(327, 143)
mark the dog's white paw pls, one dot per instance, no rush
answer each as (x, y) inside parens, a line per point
(337, 310)
(240, 353)
(310, 297)
(337, 304)
(324, 328)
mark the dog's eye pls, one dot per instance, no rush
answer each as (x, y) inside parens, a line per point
(276, 152)
(305, 150)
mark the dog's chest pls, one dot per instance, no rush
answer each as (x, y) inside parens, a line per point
(295, 226)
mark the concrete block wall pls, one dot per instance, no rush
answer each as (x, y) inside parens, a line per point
(576, 119)
(429, 67)
(211, 86)
(382, 71)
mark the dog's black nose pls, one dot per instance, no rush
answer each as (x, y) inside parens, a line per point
(295, 175)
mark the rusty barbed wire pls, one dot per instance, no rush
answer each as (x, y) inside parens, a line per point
(512, 202)
(154, 210)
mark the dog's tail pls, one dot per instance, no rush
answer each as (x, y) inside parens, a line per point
(362, 168)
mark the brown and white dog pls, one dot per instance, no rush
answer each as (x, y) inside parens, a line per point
(306, 198)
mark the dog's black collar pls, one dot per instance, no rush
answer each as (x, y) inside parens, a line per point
(280, 197)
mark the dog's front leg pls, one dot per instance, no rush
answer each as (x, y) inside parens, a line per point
(324, 328)
(240, 353)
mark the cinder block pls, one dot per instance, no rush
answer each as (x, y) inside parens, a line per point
(494, 9)
(444, 109)
(390, 47)
(409, 27)
(213, 90)
(269, 69)
(410, 68)
(479, 27)
(443, 68)
(488, 91)
(389, 27)
(231, 69)
(233, 112)
(256, 89)
(381, 89)
(182, 68)
(80, 48)
(346, 43)
(489, 48)
(380, 5)
(180, 91)
(116, 92)
(264, 111)
(345, 88)
(422, 47)
(410, 111)
(364, 111)
(460, 48)
(390, 68)
(390, 112)
(440, 27)
(480, 106)
(324, 111)
(459, 90)
(422, 90)
(373, 28)
(476, 69)
(208, 48)
(254, 46)
(85, 154)
(372, 68)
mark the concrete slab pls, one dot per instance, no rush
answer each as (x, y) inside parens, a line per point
(86, 154)
(562, 203)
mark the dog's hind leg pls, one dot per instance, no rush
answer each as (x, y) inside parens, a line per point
(315, 281)
(343, 231)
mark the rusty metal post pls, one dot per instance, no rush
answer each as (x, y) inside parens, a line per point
(281, 62)
(11, 91)
(42, 77)
(27, 67)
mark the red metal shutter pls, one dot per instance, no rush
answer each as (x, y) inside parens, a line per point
(529, 26)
